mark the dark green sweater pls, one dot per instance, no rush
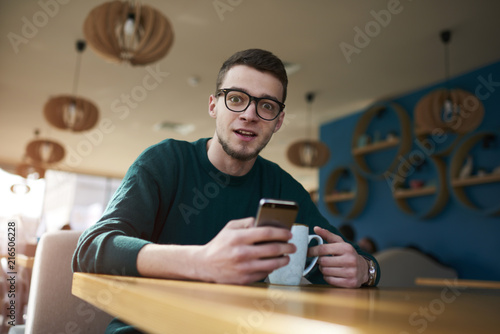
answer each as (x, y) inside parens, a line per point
(172, 194)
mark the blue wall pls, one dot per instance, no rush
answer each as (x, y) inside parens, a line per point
(464, 239)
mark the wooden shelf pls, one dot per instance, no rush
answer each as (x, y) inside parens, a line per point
(340, 197)
(378, 146)
(401, 142)
(410, 192)
(404, 196)
(459, 186)
(421, 132)
(424, 136)
(476, 179)
(357, 194)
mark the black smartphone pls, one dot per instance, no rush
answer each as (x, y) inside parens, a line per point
(276, 213)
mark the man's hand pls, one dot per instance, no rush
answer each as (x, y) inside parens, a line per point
(339, 262)
(242, 254)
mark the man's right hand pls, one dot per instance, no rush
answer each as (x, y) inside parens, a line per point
(241, 254)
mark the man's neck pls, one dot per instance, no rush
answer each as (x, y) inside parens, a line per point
(225, 163)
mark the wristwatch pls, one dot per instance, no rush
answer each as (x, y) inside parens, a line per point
(372, 273)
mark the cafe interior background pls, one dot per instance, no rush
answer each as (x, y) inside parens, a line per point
(368, 130)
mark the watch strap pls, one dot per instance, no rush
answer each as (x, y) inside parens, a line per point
(372, 272)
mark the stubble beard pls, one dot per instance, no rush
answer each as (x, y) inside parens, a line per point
(241, 155)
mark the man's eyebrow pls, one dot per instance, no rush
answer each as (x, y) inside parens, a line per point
(265, 96)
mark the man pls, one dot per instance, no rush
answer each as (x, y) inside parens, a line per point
(186, 210)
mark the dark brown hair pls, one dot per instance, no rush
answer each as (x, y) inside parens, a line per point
(258, 59)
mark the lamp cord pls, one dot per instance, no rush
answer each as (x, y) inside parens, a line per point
(447, 65)
(445, 38)
(80, 46)
(77, 74)
(309, 99)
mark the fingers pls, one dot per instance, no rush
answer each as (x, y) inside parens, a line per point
(332, 249)
(334, 244)
(343, 261)
(241, 223)
(267, 234)
(338, 260)
(253, 271)
(341, 276)
(273, 249)
(250, 235)
(241, 253)
(267, 265)
(327, 236)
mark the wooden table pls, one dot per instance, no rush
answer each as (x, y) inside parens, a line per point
(459, 282)
(171, 306)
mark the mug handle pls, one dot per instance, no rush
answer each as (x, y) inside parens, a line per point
(315, 259)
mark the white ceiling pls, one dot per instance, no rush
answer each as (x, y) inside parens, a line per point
(404, 54)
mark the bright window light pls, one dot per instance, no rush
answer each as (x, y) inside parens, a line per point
(27, 204)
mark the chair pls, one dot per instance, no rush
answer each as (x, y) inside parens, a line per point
(400, 267)
(51, 306)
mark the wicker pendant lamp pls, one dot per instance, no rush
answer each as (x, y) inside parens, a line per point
(44, 151)
(70, 112)
(308, 152)
(30, 171)
(20, 188)
(125, 31)
(452, 110)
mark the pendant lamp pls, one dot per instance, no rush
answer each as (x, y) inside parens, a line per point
(70, 112)
(126, 31)
(308, 152)
(20, 188)
(30, 171)
(44, 151)
(453, 110)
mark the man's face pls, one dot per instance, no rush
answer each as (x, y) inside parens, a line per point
(244, 134)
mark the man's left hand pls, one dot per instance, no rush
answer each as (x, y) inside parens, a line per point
(338, 261)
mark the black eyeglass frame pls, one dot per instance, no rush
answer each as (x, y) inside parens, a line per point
(251, 98)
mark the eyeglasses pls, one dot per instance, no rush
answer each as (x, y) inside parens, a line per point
(238, 101)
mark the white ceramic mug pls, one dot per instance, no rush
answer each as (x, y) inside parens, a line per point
(292, 273)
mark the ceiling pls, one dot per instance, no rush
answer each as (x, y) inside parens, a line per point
(400, 54)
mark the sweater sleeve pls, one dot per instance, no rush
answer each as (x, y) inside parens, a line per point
(111, 246)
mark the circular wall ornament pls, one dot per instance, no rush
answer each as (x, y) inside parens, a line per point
(357, 194)
(437, 188)
(460, 182)
(361, 146)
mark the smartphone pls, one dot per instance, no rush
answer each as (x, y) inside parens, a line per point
(276, 213)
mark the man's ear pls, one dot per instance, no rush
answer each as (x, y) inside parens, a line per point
(212, 106)
(278, 125)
